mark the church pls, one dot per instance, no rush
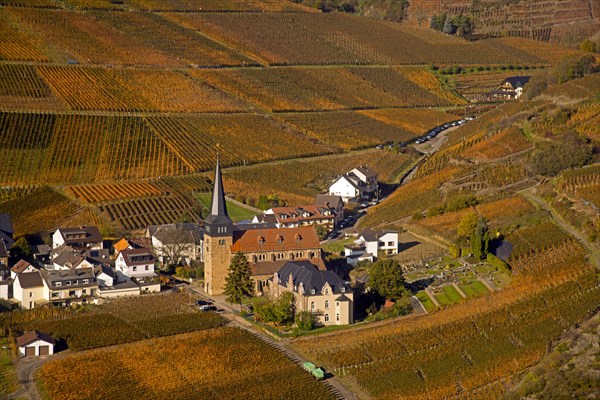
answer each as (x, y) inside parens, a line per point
(267, 248)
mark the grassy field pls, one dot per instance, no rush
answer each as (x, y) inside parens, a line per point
(426, 301)
(448, 295)
(8, 376)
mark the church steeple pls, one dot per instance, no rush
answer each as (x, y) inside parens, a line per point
(218, 222)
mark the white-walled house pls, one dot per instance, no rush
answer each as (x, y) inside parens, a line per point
(111, 284)
(376, 242)
(35, 343)
(135, 263)
(358, 184)
(83, 238)
(356, 253)
(28, 289)
(345, 187)
(138, 264)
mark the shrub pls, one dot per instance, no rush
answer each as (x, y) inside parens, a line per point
(305, 320)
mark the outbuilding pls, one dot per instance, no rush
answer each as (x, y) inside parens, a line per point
(35, 343)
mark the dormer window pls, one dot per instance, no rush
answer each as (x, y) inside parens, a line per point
(343, 289)
(312, 291)
(298, 237)
(261, 239)
(279, 238)
(58, 284)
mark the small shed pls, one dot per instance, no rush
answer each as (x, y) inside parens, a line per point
(34, 343)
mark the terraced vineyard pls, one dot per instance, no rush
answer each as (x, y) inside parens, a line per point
(472, 349)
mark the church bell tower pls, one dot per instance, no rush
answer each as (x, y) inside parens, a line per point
(218, 238)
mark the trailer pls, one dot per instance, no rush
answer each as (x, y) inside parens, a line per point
(318, 373)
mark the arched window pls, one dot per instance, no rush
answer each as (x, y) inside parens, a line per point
(312, 305)
(326, 304)
(337, 317)
(326, 317)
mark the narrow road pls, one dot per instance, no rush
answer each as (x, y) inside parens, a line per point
(26, 368)
(533, 197)
(333, 383)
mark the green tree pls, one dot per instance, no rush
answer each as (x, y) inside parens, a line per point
(305, 320)
(386, 278)
(21, 249)
(467, 225)
(284, 308)
(238, 283)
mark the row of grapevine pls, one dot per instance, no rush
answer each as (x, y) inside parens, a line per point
(224, 363)
(332, 88)
(337, 38)
(138, 213)
(123, 321)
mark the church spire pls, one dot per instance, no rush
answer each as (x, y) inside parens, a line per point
(218, 221)
(217, 204)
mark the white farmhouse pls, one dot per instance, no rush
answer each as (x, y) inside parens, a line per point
(356, 185)
(138, 264)
(34, 343)
(385, 241)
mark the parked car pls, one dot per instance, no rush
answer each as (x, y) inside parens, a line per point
(203, 303)
(207, 307)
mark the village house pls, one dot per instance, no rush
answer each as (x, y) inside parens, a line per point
(293, 217)
(111, 284)
(510, 89)
(138, 265)
(323, 293)
(334, 203)
(35, 343)
(356, 253)
(379, 242)
(81, 239)
(28, 289)
(177, 243)
(357, 185)
(69, 287)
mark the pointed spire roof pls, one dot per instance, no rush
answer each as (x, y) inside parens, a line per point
(218, 207)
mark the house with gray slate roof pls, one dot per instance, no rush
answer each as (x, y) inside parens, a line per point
(323, 293)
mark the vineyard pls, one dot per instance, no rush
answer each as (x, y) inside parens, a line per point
(412, 197)
(330, 88)
(310, 176)
(346, 39)
(470, 350)
(40, 210)
(500, 145)
(348, 130)
(224, 363)
(121, 321)
(414, 120)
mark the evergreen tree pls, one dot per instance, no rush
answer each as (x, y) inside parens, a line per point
(238, 283)
(480, 239)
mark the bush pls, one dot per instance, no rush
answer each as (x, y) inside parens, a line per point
(499, 264)
(305, 320)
